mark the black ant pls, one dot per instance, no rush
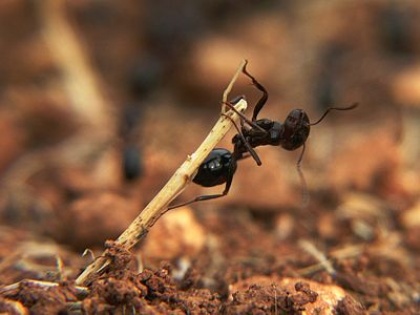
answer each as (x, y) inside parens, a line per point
(220, 165)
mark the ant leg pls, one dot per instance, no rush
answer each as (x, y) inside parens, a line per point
(334, 108)
(249, 148)
(305, 193)
(231, 83)
(242, 115)
(261, 102)
(209, 197)
(298, 163)
(244, 118)
(244, 141)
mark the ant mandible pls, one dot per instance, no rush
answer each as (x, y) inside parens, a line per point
(220, 165)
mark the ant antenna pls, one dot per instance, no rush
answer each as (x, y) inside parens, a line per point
(333, 108)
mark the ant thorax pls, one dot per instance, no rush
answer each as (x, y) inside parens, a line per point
(271, 135)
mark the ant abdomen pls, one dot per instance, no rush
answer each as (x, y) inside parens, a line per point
(216, 169)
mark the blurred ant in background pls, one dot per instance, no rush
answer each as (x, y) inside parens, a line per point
(132, 162)
(220, 165)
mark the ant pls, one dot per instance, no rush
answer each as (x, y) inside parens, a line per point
(220, 165)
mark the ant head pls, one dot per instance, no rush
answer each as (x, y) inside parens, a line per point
(296, 129)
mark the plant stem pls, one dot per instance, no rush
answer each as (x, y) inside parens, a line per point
(139, 228)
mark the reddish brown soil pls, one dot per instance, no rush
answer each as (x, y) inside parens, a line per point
(354, 249)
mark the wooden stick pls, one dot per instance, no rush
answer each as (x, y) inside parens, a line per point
(176, 184)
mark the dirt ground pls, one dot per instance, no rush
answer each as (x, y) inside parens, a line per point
(101, 101)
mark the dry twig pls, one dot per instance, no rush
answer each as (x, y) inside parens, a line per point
(176, 184)
(12, 289)
(318, 255)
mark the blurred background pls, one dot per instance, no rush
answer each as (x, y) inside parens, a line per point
(100, 102)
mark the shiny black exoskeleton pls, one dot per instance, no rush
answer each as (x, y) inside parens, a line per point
(216, 168)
